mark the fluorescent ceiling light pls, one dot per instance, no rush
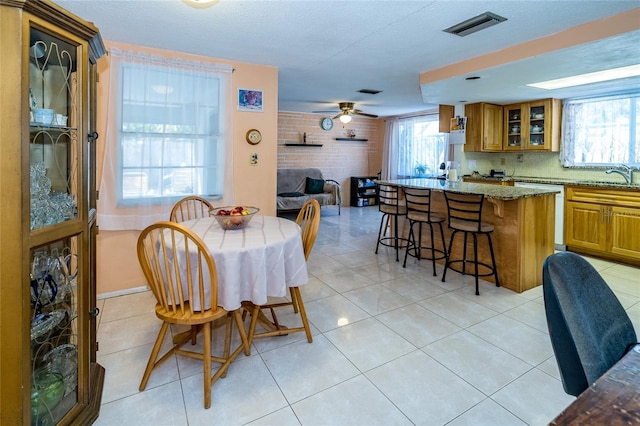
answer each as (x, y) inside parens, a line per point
(592, 77)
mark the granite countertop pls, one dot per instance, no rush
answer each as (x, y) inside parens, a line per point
(498, 192)
(557, 181)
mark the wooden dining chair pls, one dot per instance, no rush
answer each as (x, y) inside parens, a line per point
(183, 278)
(309, 221)
(191, 207)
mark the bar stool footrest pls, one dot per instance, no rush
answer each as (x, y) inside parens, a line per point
(469, 264)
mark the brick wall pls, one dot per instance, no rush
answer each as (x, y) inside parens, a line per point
(338, 160)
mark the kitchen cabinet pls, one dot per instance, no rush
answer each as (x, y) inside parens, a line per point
(48, 369)
(484, 127)
(533, 126)
(603, 222)
(363, 191)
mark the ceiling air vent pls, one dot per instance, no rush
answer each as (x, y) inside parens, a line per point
(475, 24)
(369, 91)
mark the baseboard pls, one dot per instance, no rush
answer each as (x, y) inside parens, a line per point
(122, 292)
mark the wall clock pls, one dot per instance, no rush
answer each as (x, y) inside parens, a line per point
(326, 123)
(254, 137)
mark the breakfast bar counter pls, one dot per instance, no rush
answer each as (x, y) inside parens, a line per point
(524, 224)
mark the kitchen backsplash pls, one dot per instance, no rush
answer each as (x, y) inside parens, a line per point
(534, 164)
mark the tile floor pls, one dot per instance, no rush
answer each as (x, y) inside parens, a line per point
(392, 345)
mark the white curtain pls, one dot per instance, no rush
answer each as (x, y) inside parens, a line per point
(413, 147)
(601, 131)
(168, 135)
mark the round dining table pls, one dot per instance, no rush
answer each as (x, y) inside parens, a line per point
(263, 259)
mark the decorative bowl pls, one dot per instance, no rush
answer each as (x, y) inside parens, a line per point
(236, 217)
(64, 360)
(47, 390)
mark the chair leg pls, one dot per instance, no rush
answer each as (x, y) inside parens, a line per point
(384, 216)
(243, 333)
(493, 260)
(303, 313)
(154, 355)
(410, 243)
(448, 258)
(475, 260)
(464, 254)
(395, 235)
(206, 364)
(293, 301)
(433, 249)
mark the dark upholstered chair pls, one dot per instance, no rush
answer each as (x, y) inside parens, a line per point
(589, 329)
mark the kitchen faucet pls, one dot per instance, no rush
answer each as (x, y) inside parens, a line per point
(627, 174)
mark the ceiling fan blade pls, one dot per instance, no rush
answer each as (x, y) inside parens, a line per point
(338, 116)
(364, 113)
(325, 112)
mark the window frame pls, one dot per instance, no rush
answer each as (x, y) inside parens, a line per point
(570, 135)
(212, 144)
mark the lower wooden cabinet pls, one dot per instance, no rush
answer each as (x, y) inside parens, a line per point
(603, 222)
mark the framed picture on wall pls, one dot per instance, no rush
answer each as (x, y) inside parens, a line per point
(250, 100)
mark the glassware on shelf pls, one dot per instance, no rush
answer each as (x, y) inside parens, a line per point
(48, 207)
(64, 360)
(47, 391)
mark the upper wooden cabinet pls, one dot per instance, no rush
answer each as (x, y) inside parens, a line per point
(48, 368)
(533, 126)
(484, 127)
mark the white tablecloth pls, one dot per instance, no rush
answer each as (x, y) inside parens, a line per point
(261, 260)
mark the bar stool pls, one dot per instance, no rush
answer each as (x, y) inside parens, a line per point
(391, 206)
(465, 215)
(419, 212)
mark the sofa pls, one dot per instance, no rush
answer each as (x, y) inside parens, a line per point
(296, 186)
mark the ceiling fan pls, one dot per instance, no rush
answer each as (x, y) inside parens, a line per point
(347, 110)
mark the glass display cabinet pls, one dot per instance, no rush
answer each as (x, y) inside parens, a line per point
(48, 371)
(532, 126)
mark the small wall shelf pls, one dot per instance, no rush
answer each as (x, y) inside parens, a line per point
(303, 144)
(352, 139)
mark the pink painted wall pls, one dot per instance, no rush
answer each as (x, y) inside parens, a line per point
(117, 265)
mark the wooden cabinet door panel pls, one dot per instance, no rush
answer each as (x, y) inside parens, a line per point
(585, 226)
(625, 231)
(492, 128)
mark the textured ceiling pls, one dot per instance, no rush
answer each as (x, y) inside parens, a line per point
(326, 51)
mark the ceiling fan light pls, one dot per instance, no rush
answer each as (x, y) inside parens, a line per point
(200, 4)
(345, 118)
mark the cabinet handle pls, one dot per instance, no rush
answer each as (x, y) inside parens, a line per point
(94, 312)
(93, 135)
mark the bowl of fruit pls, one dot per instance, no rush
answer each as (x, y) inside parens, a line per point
(234, 217)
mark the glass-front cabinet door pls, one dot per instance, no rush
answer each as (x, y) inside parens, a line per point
(533, 126)
(57, 169)
(55, 120)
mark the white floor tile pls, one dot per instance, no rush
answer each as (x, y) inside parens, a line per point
(424, 390)
(369, 343)
(417, 324)
(302, 369)
(536, 398)
(355, 402)
(392, 345)
(478, 362)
